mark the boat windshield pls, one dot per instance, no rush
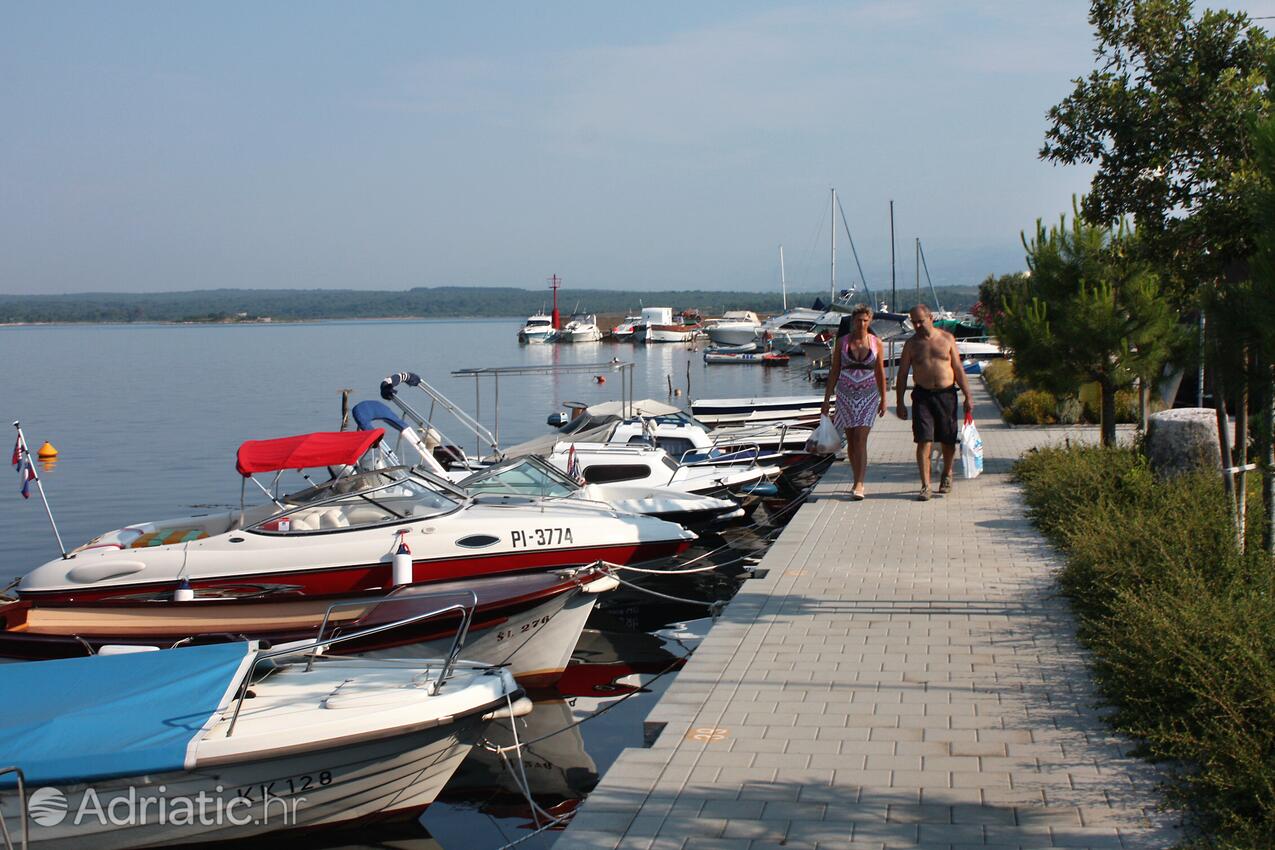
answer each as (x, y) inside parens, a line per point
(534, 321)
(524, 476)
(679, 418)
(357, 501)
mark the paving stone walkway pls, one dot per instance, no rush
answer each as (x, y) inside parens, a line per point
(904, 675)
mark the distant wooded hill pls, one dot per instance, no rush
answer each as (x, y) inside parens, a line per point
(290, 305)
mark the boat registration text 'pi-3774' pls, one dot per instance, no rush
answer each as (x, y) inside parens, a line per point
(541, 537)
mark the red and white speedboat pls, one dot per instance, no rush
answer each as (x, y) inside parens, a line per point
(340, 537)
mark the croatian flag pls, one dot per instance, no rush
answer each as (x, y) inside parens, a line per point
(26, 474)
(573, 464)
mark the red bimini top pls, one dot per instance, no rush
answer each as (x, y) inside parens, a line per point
(323, 448)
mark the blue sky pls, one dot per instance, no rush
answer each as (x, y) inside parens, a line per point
(157, 146)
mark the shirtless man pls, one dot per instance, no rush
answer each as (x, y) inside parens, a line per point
(936, 365)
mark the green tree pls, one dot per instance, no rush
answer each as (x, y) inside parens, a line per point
(993, 292)
(1256, 304)
(1166, 116)
(1089, 311)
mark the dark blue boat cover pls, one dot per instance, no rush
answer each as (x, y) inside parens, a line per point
(81, 719)
(367, 412)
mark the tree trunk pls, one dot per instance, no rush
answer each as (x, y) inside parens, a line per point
(1240, 453)
(1224, 441)
(1266, 451)
(1108, 413)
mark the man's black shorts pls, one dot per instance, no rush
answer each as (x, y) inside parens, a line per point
(934, 416)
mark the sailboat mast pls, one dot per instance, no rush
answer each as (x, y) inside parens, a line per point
(783, 282)
(832, 233)
(918, 269)
(894, 295)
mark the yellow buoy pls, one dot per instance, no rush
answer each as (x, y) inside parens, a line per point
(46, 451)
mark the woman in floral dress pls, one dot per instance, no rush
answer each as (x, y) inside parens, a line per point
(859, 377)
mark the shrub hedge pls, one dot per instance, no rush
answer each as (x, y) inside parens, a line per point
(1181, 626)
(1045, 408)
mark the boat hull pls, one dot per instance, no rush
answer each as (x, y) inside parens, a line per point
(733, 334)
(788, 409)
(531, 632)
(349, 580)
(669, 333)
(354, 781)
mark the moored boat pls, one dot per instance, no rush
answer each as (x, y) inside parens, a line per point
(538, 328)
(760, 358)
(255, 741)
(339, 537)
(790, 409)
(735, 327)
(528, 621)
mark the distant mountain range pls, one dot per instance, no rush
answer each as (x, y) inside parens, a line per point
(292, 305)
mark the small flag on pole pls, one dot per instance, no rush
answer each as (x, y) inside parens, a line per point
(17, 452)
(26, 473)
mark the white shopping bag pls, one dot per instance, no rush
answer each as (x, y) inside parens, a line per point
(825, 439)
(971, 448)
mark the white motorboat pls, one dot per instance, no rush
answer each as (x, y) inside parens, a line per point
(538, 328)
(340, 537)
(625, 331)
(583, 327)
(789, 330)
(227, 741)
(735, 327)
(736, 411)
(606, 463)
(531, 475)
(651, 316)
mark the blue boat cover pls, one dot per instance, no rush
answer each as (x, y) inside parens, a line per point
(367, 412)
(80, 719)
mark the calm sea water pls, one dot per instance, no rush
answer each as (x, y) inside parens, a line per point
(147, 419)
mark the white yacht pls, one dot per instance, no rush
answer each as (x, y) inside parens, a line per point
(583, 327)
(735, 327)
(539, 328)
(789, 330)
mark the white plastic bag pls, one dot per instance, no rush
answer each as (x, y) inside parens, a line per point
(971, 449)
(825, 439)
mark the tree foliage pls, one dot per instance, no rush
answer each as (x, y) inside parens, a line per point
(1089, 311)
(1166, 116)
(217, 305)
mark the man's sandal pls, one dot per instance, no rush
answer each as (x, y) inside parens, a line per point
(924, 495)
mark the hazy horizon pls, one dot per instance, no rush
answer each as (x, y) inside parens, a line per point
(169, 147)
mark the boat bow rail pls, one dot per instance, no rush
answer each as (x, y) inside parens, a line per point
(314, 648)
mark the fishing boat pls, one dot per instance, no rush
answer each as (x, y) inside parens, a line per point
(229, 741)
(583, 327)
(339, 537)
(528, 622)
(735, 327)
(680, 328)
(538, 328)
(757, 358)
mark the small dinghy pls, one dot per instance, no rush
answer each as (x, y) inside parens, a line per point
(767, 358)
(228, 741)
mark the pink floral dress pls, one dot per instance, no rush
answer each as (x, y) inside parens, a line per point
(858, 400)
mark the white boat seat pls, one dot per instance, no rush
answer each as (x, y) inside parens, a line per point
(333, 518)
